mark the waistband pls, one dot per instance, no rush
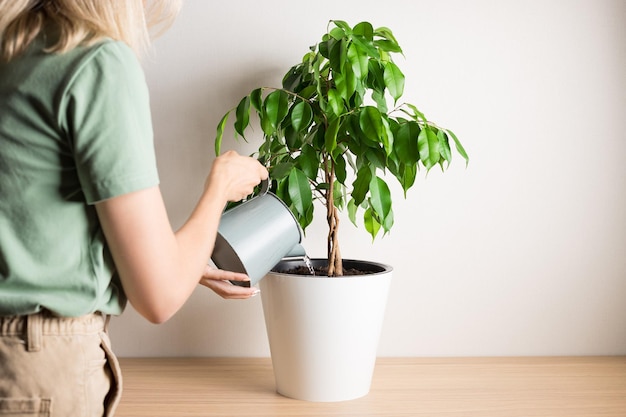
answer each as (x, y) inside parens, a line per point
(45, 323)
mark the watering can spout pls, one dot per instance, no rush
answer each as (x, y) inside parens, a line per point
(296, 252)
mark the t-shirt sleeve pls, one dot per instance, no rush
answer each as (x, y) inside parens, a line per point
(108, 124)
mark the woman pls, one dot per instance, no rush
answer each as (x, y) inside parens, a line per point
(83, 226)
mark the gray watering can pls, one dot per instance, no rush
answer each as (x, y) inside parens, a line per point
(255, 235)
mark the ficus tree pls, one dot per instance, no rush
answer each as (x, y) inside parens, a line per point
(336, 131)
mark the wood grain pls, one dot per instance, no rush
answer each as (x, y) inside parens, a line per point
(463, 387)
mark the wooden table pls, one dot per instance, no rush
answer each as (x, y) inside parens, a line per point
(464, 387)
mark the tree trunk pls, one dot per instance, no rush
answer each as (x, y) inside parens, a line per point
(335, 267)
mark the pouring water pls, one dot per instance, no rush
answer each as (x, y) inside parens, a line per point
(305, 259)
(307, 262)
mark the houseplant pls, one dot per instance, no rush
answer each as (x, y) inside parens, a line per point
(335, 132)
(319, 128)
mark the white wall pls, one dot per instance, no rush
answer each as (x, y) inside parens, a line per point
(522, 253)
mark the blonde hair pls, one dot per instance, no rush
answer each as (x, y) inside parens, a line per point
(83, 22)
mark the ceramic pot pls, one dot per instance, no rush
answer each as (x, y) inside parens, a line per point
(324, 332)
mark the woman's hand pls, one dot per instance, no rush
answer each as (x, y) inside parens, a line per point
(235, 176)
(218, 281)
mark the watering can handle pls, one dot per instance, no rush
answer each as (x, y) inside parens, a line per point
(265, 186)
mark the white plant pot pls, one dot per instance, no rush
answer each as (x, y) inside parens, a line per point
(324, 332)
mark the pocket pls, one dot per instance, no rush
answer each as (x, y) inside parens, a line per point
(115, 394)
(25, 407)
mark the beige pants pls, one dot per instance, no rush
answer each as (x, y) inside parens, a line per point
(57, 367)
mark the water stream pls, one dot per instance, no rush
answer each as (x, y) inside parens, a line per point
(307, 262)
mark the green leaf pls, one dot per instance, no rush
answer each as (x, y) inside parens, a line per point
(220, 134)
(394, 80)
(282, 191)
(281, 170)
(293, 138)
(307, 218)
(358, 61)
(330, 137)
(308, 161)
(337, 51)
(380, 199)
(340, 168)
(293, 78)
(335, 101)
(242, 116)
(370, 122)
(371, 223)
(361, 184)
(301, 116)
(343, 25)
(308, 91)
(367, 46)
(388, 223)
(365, 30)
(338, 194)
(406, 176)
(276, 107)
(387, 136)
(323, 47)
(385, 33)
(256, 99)
(428, 145)
(266, 125)
(277, 147)
(387, 45)
(346, 83)
(416, 115)
(406, 142)
(337, 33)
(318, 140)
(387, 41)
(381, 100)
(300, 191)
(444, 146)
(375, 78)
(352, 209)
(459, 147)
(376, 158)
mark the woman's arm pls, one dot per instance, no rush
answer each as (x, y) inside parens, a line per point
(160, 268)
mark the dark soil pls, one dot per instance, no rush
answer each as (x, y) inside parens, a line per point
(323, 271)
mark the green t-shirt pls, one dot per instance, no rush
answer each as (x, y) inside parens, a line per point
(75, 129)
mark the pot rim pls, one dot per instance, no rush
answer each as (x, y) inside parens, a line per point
(376, 268)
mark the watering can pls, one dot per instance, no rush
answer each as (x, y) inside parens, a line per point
(255, 235)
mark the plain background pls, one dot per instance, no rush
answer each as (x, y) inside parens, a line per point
(521, 253)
